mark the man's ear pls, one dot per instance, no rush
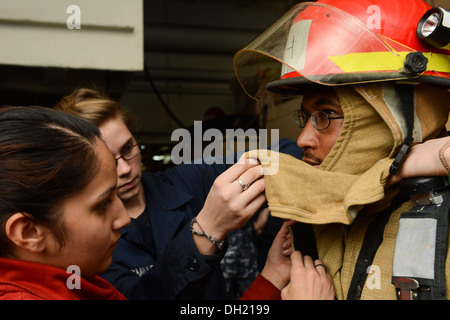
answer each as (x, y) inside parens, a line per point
(24, 233)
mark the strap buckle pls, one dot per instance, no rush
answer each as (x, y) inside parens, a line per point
(406, 288)
(404, 150)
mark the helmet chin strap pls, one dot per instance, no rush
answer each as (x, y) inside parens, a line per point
(406, 94)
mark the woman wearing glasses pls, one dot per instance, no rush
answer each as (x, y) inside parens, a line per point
(175, 242)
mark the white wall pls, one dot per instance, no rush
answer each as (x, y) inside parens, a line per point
(35, 33)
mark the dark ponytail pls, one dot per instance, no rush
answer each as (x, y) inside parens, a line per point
(46, 156)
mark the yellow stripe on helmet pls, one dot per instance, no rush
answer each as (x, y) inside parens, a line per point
(382, 61)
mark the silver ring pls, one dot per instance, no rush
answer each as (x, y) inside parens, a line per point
(244, 186)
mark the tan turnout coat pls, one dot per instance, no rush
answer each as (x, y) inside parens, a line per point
(348, 188)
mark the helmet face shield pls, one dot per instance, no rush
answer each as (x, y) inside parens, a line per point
(318, 43)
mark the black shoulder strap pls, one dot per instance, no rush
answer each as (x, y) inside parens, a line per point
(372, 240)
(439, 290)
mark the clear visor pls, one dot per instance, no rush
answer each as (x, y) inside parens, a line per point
(320, 44)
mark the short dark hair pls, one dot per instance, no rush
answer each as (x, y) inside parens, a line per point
(46, 156)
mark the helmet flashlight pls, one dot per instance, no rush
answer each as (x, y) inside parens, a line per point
(434, 28)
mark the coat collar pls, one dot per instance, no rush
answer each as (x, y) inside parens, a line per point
(165, 205)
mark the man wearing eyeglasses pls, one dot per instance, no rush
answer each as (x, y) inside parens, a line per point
(372, 94)
(319, 135)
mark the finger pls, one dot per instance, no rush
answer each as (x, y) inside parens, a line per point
(287, 241)
(253, 173)
(320, 267)
(393, 180)
(297, 260)
(249, 210)
(308, 261)
(285, 231)
(287, 247)
(248, 177)
(251, 205)
(285, 236)
(254, 190)
(237, 169)
(249, 159)
(287, 224)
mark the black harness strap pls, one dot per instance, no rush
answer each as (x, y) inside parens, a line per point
(438, 289)
(372, 241)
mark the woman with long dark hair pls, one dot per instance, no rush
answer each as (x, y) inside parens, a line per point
(59, 213)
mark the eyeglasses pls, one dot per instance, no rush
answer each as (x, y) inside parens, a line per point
(320, 119)
(131, 152)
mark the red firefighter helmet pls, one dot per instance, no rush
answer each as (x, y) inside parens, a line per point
(336, 42)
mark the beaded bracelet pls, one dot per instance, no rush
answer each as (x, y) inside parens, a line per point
(442, 157)
(218, 244)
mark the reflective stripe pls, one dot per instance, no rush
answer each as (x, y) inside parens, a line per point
(415, 248)
(382, 61)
